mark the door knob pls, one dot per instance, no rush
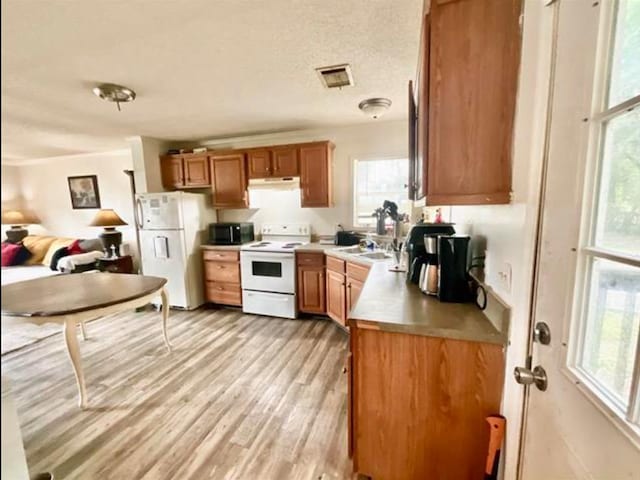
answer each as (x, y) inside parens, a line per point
(537, 376)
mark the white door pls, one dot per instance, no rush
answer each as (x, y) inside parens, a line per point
(587, 288)
(159, 211)
(163, 256)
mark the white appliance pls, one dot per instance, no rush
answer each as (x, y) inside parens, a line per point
(268, 270)
(172, 227)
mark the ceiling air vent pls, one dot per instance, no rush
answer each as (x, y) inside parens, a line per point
(336, 76)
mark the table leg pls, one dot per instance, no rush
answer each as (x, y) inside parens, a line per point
(71, 339)
(165, 314)
(84, 332)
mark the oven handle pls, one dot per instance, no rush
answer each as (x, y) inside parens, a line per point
(272, 297)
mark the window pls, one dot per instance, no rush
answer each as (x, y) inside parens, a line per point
(608, 320)
(375, 181)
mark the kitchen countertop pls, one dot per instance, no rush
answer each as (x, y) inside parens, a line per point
(221, 247)
(388, 302)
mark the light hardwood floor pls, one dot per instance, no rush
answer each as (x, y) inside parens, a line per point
(240, 397)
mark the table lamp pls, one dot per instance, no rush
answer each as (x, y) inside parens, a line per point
(109, 219)
(18, 219)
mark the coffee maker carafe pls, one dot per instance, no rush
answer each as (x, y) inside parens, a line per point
(453, 285)
(429, 280)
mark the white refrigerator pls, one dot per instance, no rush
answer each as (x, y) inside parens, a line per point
(172, 227)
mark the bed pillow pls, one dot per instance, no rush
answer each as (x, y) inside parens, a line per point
(38, 246)
(14, 254)
(54, 247)
(91, 245)
(74, 248)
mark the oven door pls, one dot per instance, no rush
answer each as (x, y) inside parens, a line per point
(268, 272)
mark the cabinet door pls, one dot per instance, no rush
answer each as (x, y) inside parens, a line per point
(171, 172)
(473, 70)
(196, 171)
(259, 163)
(229, 180)
(315, 175)
(336, 302)
(422, 113)
(311, 290)
(354, 287)
(285, 162)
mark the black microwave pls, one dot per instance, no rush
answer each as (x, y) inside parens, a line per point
(230, 233)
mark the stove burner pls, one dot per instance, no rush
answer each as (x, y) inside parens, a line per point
(291, 245)
(261, 244)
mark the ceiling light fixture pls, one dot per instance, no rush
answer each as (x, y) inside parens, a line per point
(114, 93)
(375, 107)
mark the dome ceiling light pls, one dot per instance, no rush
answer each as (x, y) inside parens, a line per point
(114, 93)
(374, 107)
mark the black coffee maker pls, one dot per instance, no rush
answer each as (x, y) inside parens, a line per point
(416, 252)
(453, 252)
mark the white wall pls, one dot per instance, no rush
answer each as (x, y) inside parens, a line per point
(46, 191)
(373, 139)
(145, 152)
(11, 193)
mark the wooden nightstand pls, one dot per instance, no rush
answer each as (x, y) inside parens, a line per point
(116, 265)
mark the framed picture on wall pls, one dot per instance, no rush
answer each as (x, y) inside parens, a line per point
(84, 191)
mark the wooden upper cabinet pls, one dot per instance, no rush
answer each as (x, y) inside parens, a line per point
(259, 161)
(171, 171)
(285, 161)
(229, 180)
(196, 171)
(315, 174)
(472, 49)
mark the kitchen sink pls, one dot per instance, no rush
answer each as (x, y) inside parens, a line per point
(349, 250)
(375, 255)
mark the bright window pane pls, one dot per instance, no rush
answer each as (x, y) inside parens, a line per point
(612, 322)
(618, 220)
(377, 181)
(625, 66)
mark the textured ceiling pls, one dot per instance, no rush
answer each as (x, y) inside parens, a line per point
(201, 69)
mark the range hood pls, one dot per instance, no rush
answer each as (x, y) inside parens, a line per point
(275, 183)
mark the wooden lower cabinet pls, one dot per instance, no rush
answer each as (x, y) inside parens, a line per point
(222, 276)
(336, 297)
(425, 417)
(345, 281)
(354, 287)
(311, 283)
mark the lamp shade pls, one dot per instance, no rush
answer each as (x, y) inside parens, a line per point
(18, 217)
(107, 218)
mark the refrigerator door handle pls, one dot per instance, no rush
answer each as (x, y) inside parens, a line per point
(139, 216)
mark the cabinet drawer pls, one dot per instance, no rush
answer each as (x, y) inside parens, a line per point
(310, 259)
(221, 255)
(225, 272)
(357, 271)
(335, 265)
(225, 293)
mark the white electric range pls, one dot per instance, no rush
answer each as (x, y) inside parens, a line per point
(268, 270)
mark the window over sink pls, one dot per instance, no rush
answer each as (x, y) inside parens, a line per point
(376, 180)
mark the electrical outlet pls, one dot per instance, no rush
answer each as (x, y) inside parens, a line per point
(505, 277)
